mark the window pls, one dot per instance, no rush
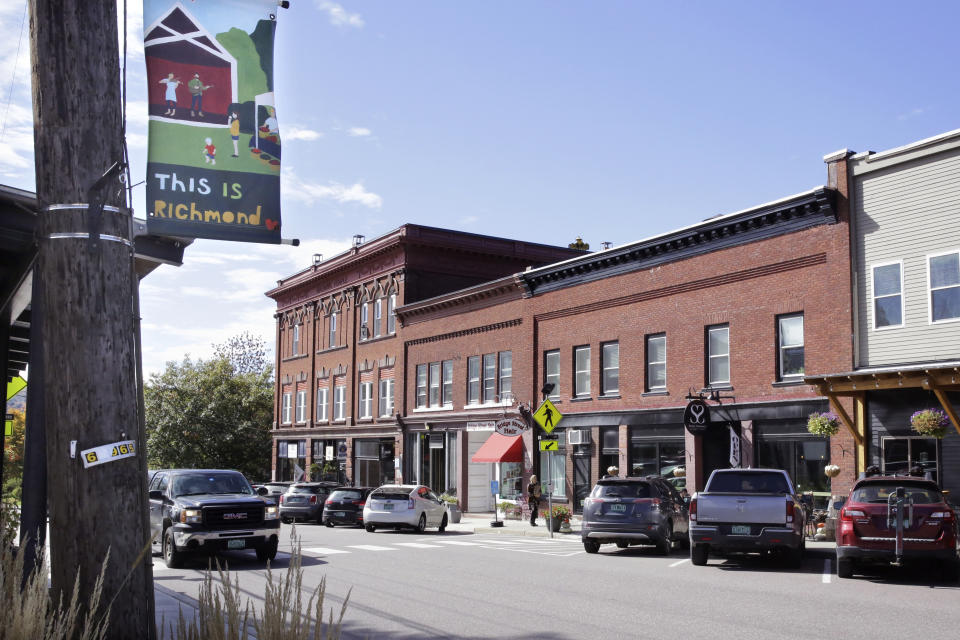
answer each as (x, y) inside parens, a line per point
(323, 400)
(447, 391)
(790, 339)
(944, 276)
(718, 355)
(285, 416)
(506, 373)
(473, 380)
(421, 386)
(434, 384)
(364, 321)
(392, 314)
(366, 400)
(656, 362)
(902, 454)
(333, 329)
(553, 470)
(888, 295)
(610, 356)
(339, 402)
(551, 371)
(386, 398)
(489, 377)
(302, 405)
(296, 340)
(581, 368)
(377, 316)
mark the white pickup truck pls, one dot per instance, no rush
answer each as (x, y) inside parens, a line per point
(747, 510)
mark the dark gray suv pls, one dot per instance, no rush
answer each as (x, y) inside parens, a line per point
(629, 511)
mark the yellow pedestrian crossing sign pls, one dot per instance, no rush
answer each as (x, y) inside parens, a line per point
(549, 445)
(547, 416)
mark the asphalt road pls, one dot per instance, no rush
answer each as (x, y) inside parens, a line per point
(455, 585)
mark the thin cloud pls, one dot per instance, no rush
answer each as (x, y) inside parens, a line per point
(297, 133)
(913, 113)
(340, 17)
(358, 132)
(311, 192)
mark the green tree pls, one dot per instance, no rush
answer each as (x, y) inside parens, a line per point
(13, 457)
(213, 414)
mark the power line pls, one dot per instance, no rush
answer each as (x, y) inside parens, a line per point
(13, 78)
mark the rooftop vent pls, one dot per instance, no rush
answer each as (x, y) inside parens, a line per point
(317, 259)
(358, 240)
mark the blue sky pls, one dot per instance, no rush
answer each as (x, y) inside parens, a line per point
(541, 121)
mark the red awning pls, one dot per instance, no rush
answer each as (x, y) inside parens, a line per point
(500, 448)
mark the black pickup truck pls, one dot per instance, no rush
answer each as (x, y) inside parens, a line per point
(210, 510)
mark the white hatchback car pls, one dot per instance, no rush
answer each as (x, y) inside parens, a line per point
(397, 506)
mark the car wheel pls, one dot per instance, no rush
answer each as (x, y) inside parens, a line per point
(622, 545)
(591, 546)
(844, 568)
(698, 554)
(443, 524)
(172, 557)
(370, 528)
(329, 524)
(286, 520)
(665, 544)
(268, 552)
(422, 523)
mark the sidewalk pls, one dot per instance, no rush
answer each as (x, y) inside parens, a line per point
(479, 523)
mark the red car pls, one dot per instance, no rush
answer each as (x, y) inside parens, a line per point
(896, 520)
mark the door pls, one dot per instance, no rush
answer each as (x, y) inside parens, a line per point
(479, 475)
(581, 477)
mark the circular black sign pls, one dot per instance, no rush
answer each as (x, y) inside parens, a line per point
(696, 417)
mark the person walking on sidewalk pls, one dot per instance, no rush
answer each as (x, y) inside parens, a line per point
(533, 499)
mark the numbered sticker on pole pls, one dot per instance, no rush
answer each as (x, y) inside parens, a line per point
(108, 453)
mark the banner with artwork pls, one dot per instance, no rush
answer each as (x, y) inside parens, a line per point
(213, 161)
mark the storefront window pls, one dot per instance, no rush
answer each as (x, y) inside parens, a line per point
(804, 459)
(610, 449)
(553, 468)
(510, 473)
(902, 454)
(656, 458)
(291, 460)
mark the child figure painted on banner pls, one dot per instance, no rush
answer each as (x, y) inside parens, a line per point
(234, 121)
(210, 152)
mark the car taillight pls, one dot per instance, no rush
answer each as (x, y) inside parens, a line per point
(329, 501)
(790, 510)
(410, 503)
(313, 499)
(359, 503)
(281, 498)
(849, 514)
(654, 502)
(693, 510)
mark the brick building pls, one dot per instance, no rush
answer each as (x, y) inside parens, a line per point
(339, 348)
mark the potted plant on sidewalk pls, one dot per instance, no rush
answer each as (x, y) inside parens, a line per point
(449, 498)
(510, 510)
(556, 516)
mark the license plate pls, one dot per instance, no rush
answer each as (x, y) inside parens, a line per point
(740, 530)
(338, 514)
(236, 544)
(388, 507)
(618, 508)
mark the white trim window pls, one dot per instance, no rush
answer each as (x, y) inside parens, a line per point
(286, 408)
(657, 362)
(296, 340)
(301, 406)
(610, 366)
(392, 314)
(943, 281)
(718, 354)
(790, 346)
(434, 384)
(505, 373)
(887, 291)
(333, 329)
(489, 377)
(581, 367)
(551, 372)
(421, 401)
(366, 400)
(473, 379)
(446, 391)
(323, 403)
(364, 320)
(377, 316)
(339, 402)
(386, 398)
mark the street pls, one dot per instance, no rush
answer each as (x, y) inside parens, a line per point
(461, 585)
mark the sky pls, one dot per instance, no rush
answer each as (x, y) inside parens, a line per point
(537, 120)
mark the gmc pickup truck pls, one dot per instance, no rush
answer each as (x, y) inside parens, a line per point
(210, 510)
(747, 510)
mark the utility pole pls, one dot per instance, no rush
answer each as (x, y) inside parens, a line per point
(89, 346)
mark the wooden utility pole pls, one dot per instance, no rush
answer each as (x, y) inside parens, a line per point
(85, 263)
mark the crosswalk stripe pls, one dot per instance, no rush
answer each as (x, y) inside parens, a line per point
(500, 542)
(371, 547)
(679, 562)
(324, 550)
(417, 545)
(459, 543)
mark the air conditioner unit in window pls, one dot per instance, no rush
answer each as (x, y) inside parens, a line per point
(574, 436)
(364, 332)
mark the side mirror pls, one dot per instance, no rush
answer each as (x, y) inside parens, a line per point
(156, 495)
(262, 491)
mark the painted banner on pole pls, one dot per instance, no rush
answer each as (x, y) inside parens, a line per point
(213, 159)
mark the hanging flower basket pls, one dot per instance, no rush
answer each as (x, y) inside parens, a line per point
(831, 471)
(930, 422)
(824, 424)
(679, 472)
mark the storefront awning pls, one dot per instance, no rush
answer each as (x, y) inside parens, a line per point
(500, 448)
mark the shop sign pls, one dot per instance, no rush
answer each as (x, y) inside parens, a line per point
(696, 417)
(292, 449)
(486, 425)
(734, 448)
(510, 427)
(342, 451)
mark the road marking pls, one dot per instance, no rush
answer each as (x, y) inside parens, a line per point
(827, 571)
(500, 542)
(417, 545)
(371, 547)
(459, 543)
(680, 562)
(324, 550)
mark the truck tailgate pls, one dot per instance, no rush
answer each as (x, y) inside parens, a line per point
(736, 508)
